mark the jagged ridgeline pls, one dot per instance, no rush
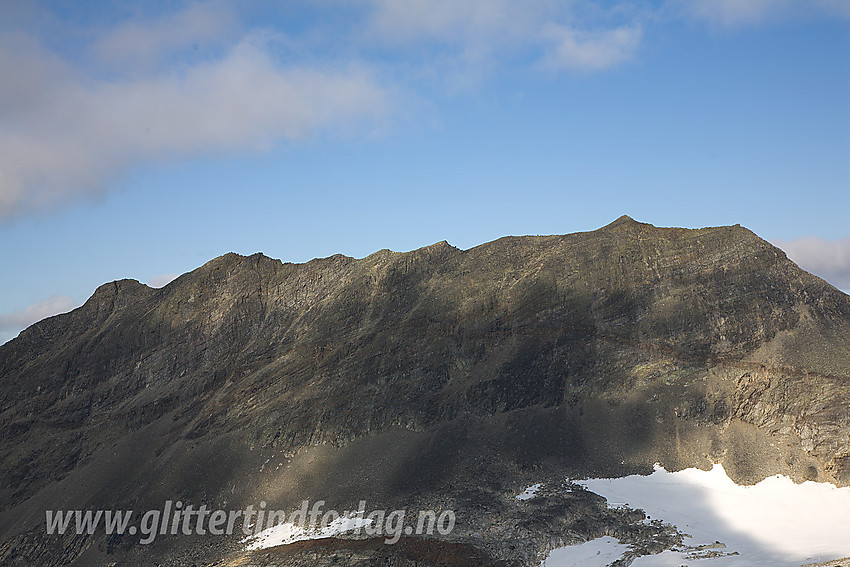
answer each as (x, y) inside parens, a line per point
(437, 377)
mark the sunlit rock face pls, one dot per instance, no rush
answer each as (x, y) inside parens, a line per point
(429, 379)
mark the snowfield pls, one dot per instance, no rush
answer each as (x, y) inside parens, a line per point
(775, 523)
(529, 492)
(286, 533)
(595, 553)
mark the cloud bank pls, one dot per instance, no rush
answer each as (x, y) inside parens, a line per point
(145, 44)
(162, 280)
(733, 13)
(828, 259)
(13, 323)
(481, 30)
(588, 51)
(65, 133)
(198, 81)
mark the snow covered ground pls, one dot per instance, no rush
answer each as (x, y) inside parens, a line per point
(529, 492)
(775, 523)
(286, 532)
(595, 553)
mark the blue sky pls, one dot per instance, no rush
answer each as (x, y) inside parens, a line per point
(141, 140)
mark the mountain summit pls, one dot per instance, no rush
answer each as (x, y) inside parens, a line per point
(428, 378)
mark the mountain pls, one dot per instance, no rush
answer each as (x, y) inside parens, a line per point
(433, 379)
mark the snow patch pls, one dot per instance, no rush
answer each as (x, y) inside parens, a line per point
(530, 492)
(286, 533)
(594, 553)
(775, 523)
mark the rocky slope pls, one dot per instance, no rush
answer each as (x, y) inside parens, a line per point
(429, 379)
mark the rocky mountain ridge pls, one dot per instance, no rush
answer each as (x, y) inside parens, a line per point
(433, 376)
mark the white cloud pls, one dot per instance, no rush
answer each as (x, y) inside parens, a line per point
(587, 51)
(574, 36)
(64, 134)
(13, 323)
(474, 21)
(828, 259)
(139, 92)
(733, 13)
(69, 126)
(840, 8)
(162, 280)
(145, 44)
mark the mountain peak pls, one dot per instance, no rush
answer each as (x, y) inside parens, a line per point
(623, 220)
